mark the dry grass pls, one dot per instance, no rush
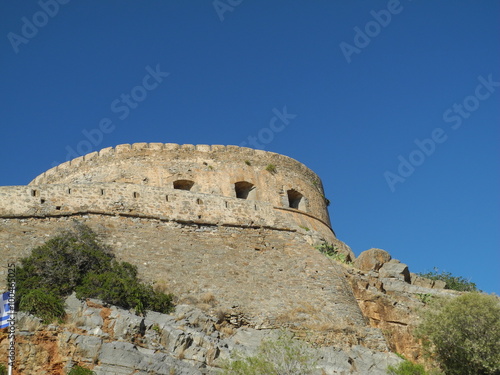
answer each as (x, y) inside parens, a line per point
(161, 286)
(209, 299)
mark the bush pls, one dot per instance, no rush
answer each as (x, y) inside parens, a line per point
(3, 369)
(77, 261)
(462, 334)
(120, 286)
(452, 282)
(78, 370)
(275, 357)
(43, 304)
(60, 264)
(406, 368)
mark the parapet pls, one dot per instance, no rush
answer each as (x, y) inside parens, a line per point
(220, 171)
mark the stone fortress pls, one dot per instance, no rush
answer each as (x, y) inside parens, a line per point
(227, 228)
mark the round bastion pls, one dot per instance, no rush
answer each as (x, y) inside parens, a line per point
(211, 171)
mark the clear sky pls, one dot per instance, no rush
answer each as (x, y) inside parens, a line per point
(393, 103)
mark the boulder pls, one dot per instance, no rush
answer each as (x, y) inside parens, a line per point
(372, 260)
(395, 270)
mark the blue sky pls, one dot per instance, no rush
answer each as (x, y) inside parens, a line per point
(393, 103)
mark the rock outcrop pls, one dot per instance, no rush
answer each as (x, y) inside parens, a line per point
(392, 298)
(113, 341)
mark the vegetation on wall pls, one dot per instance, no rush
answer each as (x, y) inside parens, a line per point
(463, 334)
(271, 168)
(332, 252)
(77, 261)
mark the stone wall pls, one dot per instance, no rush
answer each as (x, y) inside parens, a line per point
(124, 199)
(214, 170)
(268, 277)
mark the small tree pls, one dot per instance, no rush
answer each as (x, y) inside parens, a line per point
(77, 261)
(463, 334)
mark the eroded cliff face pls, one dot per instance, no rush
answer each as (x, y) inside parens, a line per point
(112, 341)
(392, 298)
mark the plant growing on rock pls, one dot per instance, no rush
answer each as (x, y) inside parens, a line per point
(332, 252)
(271, 168)
(406, 368)
(78, 370)
(285, 355)
(452, 282)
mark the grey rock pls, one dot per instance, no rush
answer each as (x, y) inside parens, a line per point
(396, 270)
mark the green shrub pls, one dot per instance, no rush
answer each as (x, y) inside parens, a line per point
(463, 334)
(61, 263)
(275, 357)
(406, 368)
(78, 370)
(120, 286)
(452, 282)
(77, 261)
(3, 369)
(44, 304)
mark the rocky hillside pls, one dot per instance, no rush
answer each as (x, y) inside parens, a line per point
(196, 338)
(113, 341)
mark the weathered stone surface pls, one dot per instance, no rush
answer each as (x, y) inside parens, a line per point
(426, 283)
(396, 270)
(372, 259)
(393, 305)
(182, 343)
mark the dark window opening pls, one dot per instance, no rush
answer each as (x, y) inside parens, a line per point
(183, 184)
(244, 190)
(136, 194)
(295, 200)
(166, 198)
(199, 201)
(42, 201)
(58, 208)
(102, 191)
(69, 191)
(34, 193)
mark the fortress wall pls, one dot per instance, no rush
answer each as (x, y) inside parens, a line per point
(271, 277)
(155, 202)
(214, 169)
